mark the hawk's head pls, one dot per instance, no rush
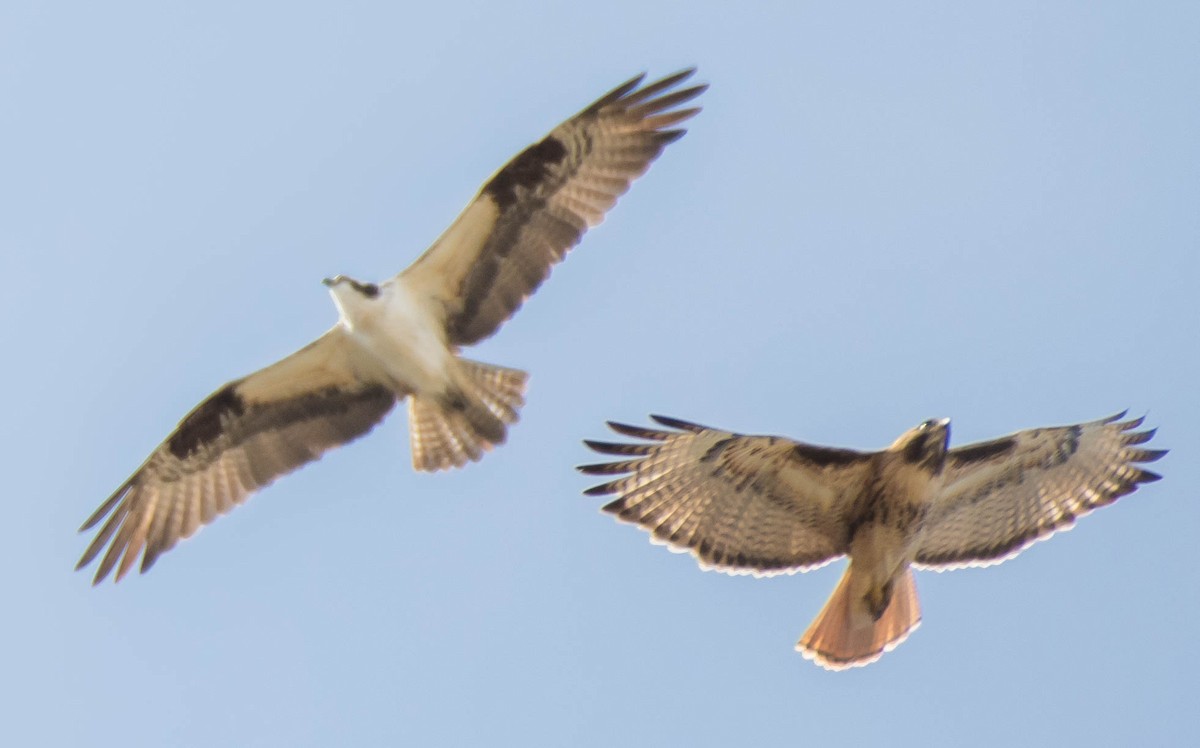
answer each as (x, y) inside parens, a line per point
(926, 444)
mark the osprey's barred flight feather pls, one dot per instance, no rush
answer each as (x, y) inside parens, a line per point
(767, 505)
(401, 338)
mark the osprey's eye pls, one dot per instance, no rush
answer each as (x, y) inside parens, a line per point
(370, 290)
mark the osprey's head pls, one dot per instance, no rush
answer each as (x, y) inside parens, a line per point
(925, 445)
(350, 295)
(340, 284)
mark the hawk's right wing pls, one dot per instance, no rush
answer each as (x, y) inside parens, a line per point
(757, 505)
(1000, 497)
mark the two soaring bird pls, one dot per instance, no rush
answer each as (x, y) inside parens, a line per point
(741, 504)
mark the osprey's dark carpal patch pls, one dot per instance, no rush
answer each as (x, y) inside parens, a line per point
(526, 171)
(203, 425)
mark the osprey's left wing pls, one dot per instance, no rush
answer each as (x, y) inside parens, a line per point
(1001, 496)
(757, 505)
(523, 221)
(244, 436)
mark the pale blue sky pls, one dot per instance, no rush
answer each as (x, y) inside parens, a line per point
(887, 212)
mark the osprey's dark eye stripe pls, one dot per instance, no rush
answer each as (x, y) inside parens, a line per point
(370, 290)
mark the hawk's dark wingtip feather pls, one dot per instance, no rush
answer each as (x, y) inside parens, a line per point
(614, 507)
(1140, 437)
(676, 423)
(605, 468)
(1148, 455)
(666, 137)
(638, 432)
(612, 448)
(1133, 423)
(604, 489)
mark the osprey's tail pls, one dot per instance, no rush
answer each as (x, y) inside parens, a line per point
(449, 433)
(837, 639)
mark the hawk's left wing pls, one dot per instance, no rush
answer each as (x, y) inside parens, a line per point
(1001, 496)
(523, 221)
(757, 505)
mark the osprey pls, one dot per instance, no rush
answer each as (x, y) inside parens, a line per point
(400, 338)
(766, 505)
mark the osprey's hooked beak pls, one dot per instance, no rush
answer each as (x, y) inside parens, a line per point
(331, 282)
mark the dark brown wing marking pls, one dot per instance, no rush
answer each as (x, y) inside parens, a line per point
(203, 425)
(981, 452)
(525, 172)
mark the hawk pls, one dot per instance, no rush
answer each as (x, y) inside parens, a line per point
(401, 338)
(767, 505)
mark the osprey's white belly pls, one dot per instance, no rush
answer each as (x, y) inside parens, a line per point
(404, 337)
